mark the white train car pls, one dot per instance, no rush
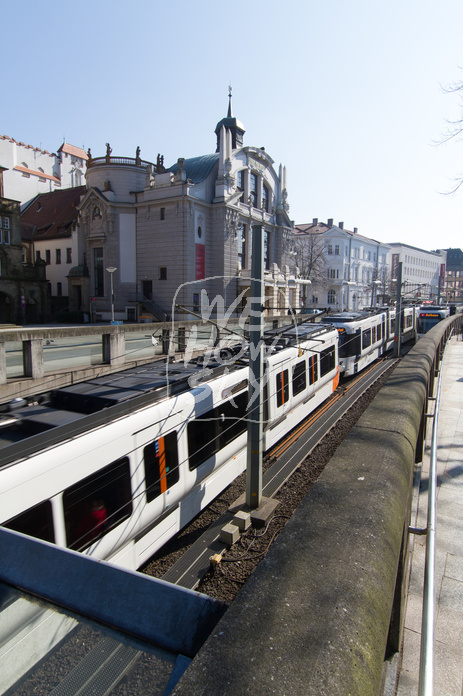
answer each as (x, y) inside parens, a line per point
(363, 337)
(116, 466)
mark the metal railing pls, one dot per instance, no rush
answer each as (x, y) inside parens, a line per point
(426, 674)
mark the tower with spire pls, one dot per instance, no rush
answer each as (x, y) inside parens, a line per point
(231, 124)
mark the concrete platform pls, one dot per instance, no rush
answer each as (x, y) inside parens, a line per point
(448, 661)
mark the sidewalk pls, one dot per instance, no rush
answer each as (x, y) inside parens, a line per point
(448, 656)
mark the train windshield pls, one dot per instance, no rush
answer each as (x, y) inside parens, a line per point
(349, 344)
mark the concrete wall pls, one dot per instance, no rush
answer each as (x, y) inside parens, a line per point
(323, 611)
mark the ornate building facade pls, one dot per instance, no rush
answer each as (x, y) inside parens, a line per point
(170, 239)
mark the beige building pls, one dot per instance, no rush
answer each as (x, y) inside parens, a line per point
(170, 239)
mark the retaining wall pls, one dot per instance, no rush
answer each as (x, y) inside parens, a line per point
(323, 612)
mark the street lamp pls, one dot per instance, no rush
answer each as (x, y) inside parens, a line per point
(111, 270)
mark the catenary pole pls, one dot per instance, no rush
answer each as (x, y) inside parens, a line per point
(254, 414)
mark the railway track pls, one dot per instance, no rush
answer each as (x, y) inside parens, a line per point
(192, 561)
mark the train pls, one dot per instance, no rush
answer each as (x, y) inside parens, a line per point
(364, 336)
(429, 316)
(115, 466)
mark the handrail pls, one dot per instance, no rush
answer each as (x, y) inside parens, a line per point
(426, 679)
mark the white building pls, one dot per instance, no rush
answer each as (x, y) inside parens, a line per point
(353, 272)
(423, 272)
(27, 170)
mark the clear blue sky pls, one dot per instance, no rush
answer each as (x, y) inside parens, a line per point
(346, 93)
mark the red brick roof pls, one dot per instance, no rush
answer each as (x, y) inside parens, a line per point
(51, 215)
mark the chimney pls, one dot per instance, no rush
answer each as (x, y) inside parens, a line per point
(330, 222)
(356, 229)
(341, 225)
(315, 221)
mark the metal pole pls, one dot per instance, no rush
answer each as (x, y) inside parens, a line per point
(398, 311)
(254, 414)
(112, 299)
(111, 270)
(426, 682)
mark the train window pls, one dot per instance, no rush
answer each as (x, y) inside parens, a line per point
(36, 522)
(373, 334)
(299, 377)
(349, 344)
(366, 339)
(313, 369)
(96, 504)
(215, 429)
(392, 326)
(161, 465)
(327, 360)
(378, 332)
(282, 388)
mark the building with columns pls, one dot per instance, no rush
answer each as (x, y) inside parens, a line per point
(180, 237)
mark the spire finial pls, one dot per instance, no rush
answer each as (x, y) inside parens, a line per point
(230, 111)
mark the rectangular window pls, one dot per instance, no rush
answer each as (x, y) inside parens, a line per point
(266, 250)
(265, 198)
(97, 504)
(253, 189)
(68, 255)
(330, 250)
(6, 223)
(161, 465)
(313, 369)
(240, 184)
(58, 256)
(327, 360)
(37, 255)
(299, 377)
(366, 339)
(373, 334)
(336, 250)
(282, 388)
(162, 214)
(98, 273)
(163, 273)
(6, 235)
(48, 256)
(36, 522)
(214, 430)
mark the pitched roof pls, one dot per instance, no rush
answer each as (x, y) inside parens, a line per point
(311, 228)
(51, 215)
(73, 150)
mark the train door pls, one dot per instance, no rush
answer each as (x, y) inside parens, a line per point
(160, 468)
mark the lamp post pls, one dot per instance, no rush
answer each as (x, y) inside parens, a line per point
(111, 270)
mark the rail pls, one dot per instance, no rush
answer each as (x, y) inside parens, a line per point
(426, 680)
